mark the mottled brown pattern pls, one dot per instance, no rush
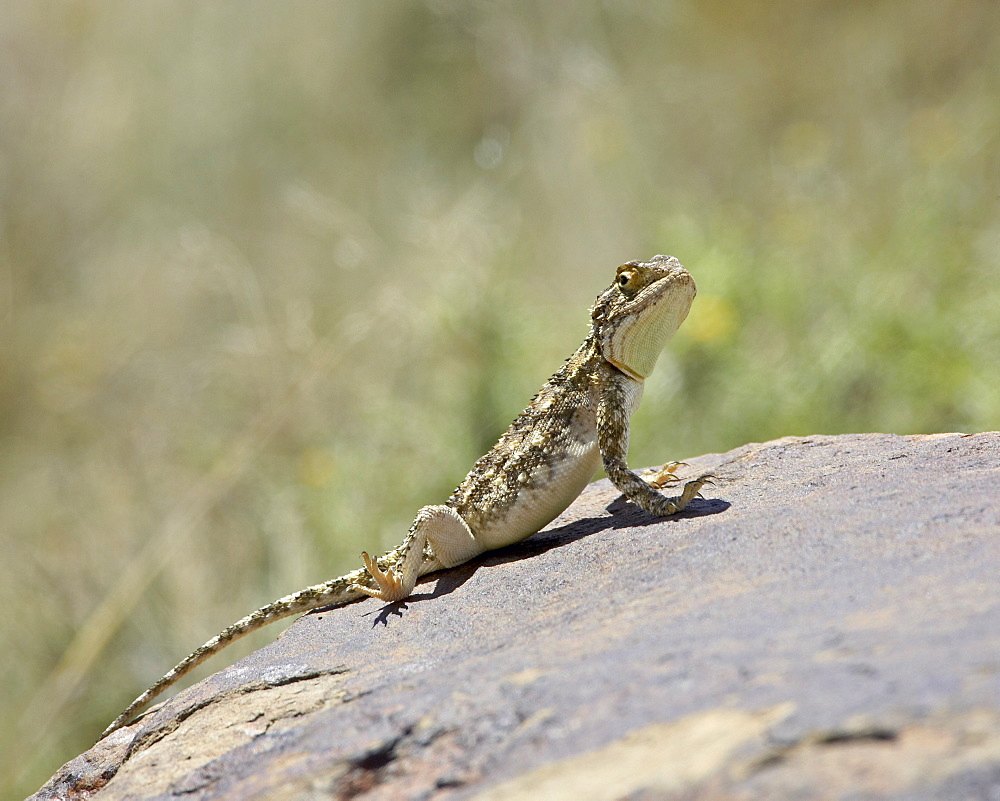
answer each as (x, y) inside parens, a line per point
(613, 436)
(536, 469)
(334, 591)
(535, 443)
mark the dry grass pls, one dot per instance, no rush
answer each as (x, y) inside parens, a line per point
(273, 275)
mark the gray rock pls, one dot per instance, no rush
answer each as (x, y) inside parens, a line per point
(825, 624)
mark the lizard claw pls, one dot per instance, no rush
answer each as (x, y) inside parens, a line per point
(664, 477)
(692, 489)
(390, 588)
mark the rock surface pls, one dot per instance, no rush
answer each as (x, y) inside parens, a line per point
(825, 624)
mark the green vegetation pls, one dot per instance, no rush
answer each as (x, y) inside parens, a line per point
(273, 275)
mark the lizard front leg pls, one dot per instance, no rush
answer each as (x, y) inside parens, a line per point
(451, 543)
(613, 412)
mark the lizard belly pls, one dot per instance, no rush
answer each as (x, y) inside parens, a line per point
(544, 496)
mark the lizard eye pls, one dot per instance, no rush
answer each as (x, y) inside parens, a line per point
(625, 277)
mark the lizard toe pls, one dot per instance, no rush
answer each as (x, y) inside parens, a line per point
(390, 588)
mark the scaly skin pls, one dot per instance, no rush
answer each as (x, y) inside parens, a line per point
(576, 422)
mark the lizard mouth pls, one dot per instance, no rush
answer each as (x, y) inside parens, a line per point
(649, 294)
(648, 321)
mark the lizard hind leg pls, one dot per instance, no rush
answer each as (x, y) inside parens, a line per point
(451, 543)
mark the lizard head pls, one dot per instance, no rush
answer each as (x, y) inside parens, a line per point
(635, 317)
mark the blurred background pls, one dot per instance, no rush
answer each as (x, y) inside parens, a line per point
(273, 275)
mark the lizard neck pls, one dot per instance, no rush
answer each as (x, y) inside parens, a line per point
(623, 368)
(588, 356)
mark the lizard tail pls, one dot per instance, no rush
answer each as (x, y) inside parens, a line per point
(337, 590)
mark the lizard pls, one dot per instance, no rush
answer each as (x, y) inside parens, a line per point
(576, 422)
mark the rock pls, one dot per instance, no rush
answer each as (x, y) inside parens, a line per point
(825, 624)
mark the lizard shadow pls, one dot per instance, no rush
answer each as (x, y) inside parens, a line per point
(623, 515)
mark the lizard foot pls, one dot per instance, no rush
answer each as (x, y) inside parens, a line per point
(390, 587)
(664, 477)
(692, 489)
(663, 506)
